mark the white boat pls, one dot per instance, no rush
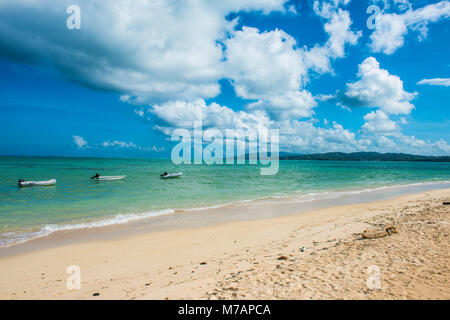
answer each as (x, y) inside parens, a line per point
(171, 176)
(50, 182)
(110, 178)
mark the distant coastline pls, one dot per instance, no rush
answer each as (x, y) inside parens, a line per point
(365, 156)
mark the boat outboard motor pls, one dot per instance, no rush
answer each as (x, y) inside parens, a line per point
(164, 174)
(20, 181)
(96, 176)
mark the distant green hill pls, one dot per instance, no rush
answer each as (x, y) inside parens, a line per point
(365, 156)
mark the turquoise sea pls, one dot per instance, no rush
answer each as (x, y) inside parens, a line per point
(78, 202)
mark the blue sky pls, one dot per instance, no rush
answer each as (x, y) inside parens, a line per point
(119, 85)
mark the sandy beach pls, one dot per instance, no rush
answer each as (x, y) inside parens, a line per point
(318, 254)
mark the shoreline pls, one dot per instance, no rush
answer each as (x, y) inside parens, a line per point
(240, 259)
(180, 219)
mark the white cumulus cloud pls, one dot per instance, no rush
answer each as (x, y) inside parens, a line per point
(150, 49)
(182, 114)
(338, 27)
(263, 63)
(272, 68)
(379, 122)
(391, 28)
(378, 88)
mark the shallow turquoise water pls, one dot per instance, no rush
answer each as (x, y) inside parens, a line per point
(28, 212)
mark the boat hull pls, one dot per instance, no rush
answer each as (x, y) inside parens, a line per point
(47, 183)
(172, 176)
(110, 178)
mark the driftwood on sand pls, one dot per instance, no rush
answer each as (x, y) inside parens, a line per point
(371, 234)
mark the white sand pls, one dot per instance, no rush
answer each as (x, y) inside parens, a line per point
(242, 258)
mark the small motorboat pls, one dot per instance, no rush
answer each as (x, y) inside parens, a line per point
(110, 178)
(23, 183)
(98, 177)
(172, 175)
